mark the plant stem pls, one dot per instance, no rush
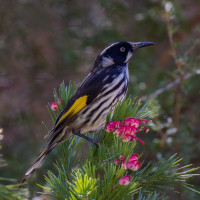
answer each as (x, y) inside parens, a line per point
(177, 90)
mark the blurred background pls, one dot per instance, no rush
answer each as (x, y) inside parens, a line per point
(45, 42)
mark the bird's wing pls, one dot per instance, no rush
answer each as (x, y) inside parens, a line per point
(89, 89)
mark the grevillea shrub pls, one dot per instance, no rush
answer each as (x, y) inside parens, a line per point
(113, 170)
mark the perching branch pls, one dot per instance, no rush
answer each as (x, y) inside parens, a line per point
(170, 85)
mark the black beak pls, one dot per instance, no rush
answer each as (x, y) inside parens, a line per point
(138, 45)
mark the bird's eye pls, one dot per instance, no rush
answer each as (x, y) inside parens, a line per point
(122, 49)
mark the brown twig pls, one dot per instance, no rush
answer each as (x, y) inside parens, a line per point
(177, 91)
(168, 86)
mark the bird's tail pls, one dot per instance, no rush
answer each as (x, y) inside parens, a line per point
(38, 162)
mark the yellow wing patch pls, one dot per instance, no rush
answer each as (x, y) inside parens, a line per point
(78, 105)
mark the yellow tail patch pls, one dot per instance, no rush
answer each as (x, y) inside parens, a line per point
(78, 105)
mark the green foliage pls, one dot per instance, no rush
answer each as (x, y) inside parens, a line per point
(51, 40)
(130, 108)
(65, 94)
(164, 173)
(151, 196)
(93, 175)
(9, 192)
(82, 186)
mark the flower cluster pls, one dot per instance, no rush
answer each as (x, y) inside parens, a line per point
(127, 129)
(132, 164)
(54, 105)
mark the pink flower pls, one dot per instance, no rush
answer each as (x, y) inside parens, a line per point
(134, 130)
(54, 106)
(126, 137)
(122, 129)
(128, 130)
(124, 164)
(143, 120)
(133, 165)
(133, 157)
(117, 132)
(59, 101)
(117, 161)
(112, 125)
(116, 124)
(122, 157)
(136, 138)
(125, 180)
(131, 122)
(110, 128)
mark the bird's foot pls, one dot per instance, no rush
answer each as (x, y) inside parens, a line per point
(93, 141)
(96, 141)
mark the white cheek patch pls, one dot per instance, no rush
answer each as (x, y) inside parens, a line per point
(129, 55)
(107, 61)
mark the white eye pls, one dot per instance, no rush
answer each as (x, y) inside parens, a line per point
(122, 49)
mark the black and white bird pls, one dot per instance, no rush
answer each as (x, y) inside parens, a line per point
(105, 86)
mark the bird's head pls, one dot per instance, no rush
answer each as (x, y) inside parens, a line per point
(120, 52)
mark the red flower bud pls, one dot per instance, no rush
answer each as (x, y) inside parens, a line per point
(125, 180)
(59, 101)
(122, 157)
(117, 161)
(54, 106)
(145, 129)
